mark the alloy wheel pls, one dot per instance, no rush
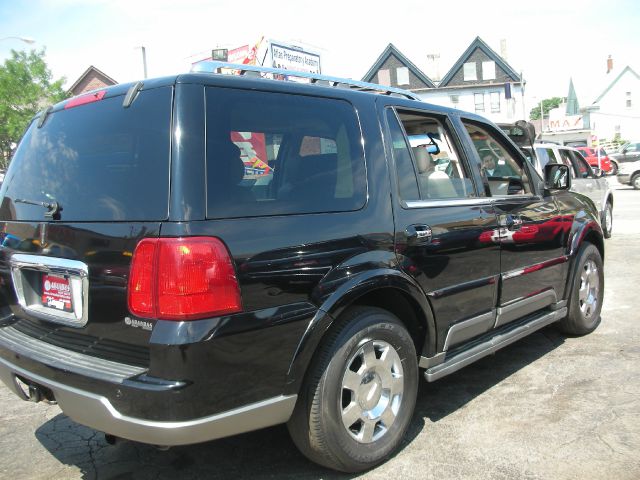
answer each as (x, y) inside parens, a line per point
(589, 288)
(372, 390)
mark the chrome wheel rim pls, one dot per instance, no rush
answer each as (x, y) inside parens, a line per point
(372, 390)
(636, 182)
(608, 219)
(589, 288)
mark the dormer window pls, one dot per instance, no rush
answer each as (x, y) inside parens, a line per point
(470, 72)
(402, 75)
(488, 70)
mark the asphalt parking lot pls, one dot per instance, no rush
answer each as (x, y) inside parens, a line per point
(548, 407)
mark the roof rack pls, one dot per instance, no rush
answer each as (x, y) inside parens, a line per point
(314, 79)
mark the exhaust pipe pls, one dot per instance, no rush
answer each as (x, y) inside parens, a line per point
(34, 393)
(113, 440)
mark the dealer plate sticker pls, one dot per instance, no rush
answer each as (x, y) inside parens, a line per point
(56, 293)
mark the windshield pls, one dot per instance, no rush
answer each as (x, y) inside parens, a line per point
(94, 162)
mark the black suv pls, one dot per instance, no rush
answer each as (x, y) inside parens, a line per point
(202, 255)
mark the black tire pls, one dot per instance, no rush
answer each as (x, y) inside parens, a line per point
(317, 425)
(607, 220)
(635, 181)
(614, 168)
(585, 303)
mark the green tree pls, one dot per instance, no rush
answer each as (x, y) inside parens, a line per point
(26, 86)
(547, 104)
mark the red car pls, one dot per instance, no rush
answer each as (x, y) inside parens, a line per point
(591, 154)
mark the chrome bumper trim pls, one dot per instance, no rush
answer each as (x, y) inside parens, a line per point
(97, 412)
(58, 357)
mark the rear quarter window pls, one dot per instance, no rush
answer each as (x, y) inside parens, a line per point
(272, 154)
(99, 161)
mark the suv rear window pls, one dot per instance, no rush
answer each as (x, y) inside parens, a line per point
(99, 161)
(274, 154)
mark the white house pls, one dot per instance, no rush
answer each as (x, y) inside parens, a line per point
(615, 113)
(600, 109)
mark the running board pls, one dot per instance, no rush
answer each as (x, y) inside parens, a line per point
(495, 343)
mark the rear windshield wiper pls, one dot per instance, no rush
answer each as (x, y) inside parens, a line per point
(53, 208)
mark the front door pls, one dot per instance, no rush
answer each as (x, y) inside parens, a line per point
(440, 221)
(532, 232)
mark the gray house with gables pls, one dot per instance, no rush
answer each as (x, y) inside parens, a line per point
(479, 81)
(393, 69)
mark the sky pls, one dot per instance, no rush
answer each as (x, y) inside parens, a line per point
(549, 41)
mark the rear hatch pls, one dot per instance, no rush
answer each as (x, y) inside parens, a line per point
(86, 184)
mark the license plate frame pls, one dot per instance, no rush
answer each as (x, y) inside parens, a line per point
(29, 273)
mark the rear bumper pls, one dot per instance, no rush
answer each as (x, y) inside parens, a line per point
(104, 394)
(96, 411)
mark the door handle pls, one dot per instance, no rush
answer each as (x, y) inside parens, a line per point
(418, 234)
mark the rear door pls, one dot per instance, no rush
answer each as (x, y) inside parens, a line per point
(444, 224)
(532, 231)
(84, 186)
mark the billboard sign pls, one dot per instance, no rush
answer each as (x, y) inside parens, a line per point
(566, 122)
(295, 59)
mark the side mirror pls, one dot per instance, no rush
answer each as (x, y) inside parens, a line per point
(556, 177)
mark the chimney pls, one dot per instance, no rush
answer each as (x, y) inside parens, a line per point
(609, 64)
(503, 48)
(433, 66)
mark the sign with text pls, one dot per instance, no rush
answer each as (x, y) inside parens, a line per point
(294, 59)
(566, 122)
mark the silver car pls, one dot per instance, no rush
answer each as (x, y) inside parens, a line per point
(585, 180)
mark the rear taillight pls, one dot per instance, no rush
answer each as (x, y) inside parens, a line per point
(182, 279)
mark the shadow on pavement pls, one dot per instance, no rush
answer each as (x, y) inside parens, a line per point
(270, 453)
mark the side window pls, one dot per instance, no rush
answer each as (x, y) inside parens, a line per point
(273, 154)
(427, 153)
(583, 168)
(565, 156)
(407, 181)
(505, 172)
(543, 157)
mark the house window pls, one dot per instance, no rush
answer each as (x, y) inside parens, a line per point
(384, 78)
(470, 71)
(488, 70)
(402, 75)
(455, 99)
(495, 102)
(478, 99)
(628, 99)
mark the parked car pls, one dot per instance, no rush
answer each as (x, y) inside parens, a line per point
(629, 152)
(192, 302)
(585, 180)
(629, 174)
(603, 163)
